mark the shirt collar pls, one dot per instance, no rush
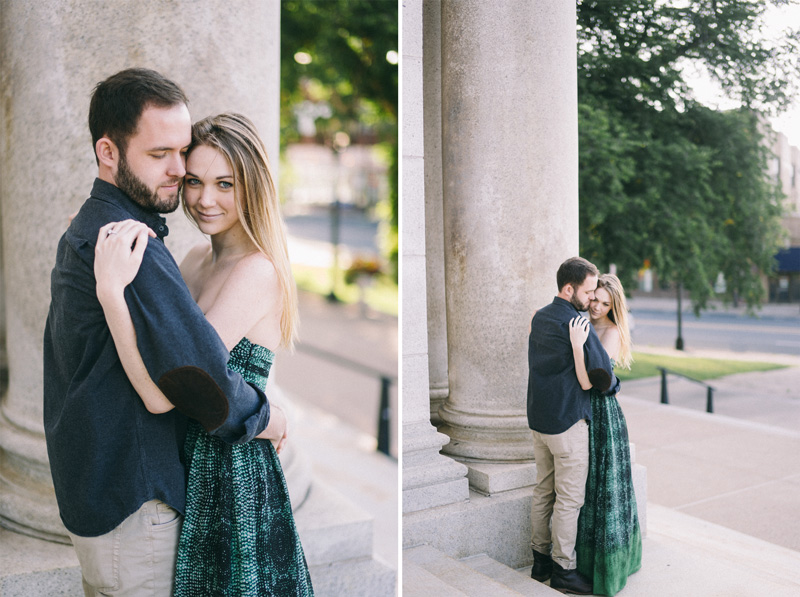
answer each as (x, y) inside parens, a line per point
(111, 193)
(560, 301)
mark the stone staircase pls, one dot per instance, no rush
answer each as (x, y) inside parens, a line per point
(338, 533)
(337, 537)
(682, 555)
(428, 571)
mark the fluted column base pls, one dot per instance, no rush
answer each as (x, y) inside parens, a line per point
(488, 436)
(27, 499)
(438, 395)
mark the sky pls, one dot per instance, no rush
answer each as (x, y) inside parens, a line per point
(707, 92)
(788, 123)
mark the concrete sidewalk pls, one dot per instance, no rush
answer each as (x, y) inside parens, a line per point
(738, 467)
(687, 556)
(742, 475)
(769, 397)
(341, 331)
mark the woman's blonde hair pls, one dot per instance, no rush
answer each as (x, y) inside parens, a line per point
(619, 315)
(235, 137)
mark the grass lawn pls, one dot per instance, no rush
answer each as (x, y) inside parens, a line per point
(381, 296)
(698, 368)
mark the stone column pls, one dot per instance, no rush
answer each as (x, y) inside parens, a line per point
(510, 158)
(434, 217)
(429, 479)
(52, 54)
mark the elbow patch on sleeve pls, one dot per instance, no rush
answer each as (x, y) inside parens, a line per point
(600, 379)
(196, 395)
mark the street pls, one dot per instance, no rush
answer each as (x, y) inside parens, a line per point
(777, 331)
(357, 232)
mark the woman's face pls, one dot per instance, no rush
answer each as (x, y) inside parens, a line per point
(600, 305)
(209, 190)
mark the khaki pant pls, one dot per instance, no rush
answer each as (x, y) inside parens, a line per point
(136, 558)
(562, 465)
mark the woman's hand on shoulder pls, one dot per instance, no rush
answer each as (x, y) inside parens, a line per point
(578, 331)
(118, 255)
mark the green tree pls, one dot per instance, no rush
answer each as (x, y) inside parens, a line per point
(344, 49)
(663, 177)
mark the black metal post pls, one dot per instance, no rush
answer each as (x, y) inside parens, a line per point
(664, 397)
(384, 413)
(710, 399)
(335, 227)
(679, 341)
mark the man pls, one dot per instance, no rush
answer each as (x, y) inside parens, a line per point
(119, 481)
(558, 414)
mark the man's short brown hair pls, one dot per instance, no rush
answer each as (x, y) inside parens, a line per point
(574, 271)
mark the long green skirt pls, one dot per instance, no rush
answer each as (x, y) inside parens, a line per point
(239, 537)
(609, 543)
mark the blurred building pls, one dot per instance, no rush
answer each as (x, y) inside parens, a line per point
(315, 175)
(784, 283)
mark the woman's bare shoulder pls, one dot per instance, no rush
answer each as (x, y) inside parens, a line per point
(610, 339)
(256, 270)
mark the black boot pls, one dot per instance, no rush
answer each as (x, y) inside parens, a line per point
(569, 581)
(542, 566)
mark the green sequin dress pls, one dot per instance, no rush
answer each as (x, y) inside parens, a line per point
(609, 543)
(239, 536)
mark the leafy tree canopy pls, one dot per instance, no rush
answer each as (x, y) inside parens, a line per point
(335, 51)
(343, 54)
(662, 177)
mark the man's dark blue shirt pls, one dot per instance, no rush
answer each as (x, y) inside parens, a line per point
(108, 454)
(556, 400)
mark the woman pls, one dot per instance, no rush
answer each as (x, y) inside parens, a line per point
(609, 544)
(239, 536)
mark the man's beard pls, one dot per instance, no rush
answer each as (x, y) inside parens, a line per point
(577, 304)
(133, 187)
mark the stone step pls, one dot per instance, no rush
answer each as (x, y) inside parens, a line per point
(518, 580)
(453, 573)
(62, 582)
(332, 528)
(370, 577)
(30, 566)
(418, 581)
(684, 555)
(337, 539)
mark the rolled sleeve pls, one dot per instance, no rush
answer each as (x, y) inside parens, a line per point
(185, 355)
(598, 364)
